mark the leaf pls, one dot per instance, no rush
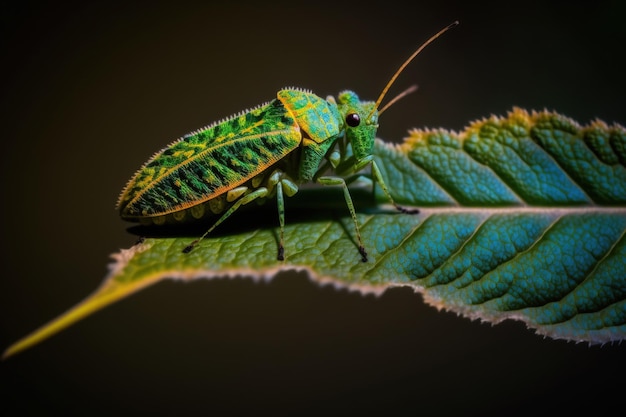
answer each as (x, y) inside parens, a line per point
(520, 218)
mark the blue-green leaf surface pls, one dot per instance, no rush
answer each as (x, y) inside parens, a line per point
(521, 217)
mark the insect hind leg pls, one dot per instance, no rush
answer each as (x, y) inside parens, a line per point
(258, 193)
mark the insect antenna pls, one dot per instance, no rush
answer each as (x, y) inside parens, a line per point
(407, 62)
(406, 92)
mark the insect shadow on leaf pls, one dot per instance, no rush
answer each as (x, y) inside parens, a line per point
(308, 206)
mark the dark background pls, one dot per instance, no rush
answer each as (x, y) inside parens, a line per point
(91, 91)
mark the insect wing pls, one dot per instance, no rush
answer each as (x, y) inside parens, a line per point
(211, 161)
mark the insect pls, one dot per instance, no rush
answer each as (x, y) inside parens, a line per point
(262, 153)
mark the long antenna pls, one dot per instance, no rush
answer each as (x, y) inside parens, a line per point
(408, 61)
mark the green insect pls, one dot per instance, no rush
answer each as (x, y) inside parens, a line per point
(261, 153)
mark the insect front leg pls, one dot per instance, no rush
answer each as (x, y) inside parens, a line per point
(378, 177)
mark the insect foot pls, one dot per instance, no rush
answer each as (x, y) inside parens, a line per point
(363, 254)
(406, 210)
(189, 247)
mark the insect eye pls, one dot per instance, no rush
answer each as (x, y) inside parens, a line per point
(353, 120)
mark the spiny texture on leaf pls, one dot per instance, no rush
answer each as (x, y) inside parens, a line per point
(538, 158)
(521, 217)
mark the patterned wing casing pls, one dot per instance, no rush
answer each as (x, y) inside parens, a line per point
(211, 161)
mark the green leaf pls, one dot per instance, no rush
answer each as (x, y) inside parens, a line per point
(520, 218)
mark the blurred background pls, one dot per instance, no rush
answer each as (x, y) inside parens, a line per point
(92, 90)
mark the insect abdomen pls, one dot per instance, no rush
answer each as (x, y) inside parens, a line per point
(209, 208)
(208, 163)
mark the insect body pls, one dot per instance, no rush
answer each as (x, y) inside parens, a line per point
(263, 153)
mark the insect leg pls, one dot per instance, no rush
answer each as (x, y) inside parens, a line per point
(379, 179)
(346, 194)
(283, 186)
(281, 220)
(261, 192)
